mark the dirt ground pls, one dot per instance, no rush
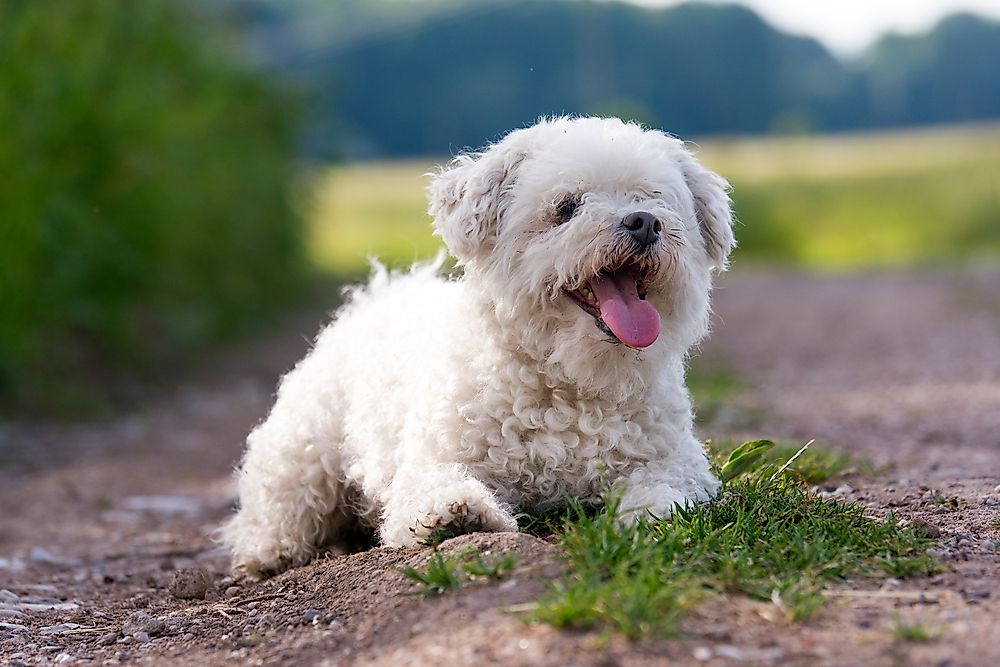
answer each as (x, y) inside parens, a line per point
(105, 525)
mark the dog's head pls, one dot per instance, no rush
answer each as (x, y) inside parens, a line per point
(591, 238)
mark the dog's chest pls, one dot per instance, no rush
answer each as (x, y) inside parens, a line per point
(535, 446)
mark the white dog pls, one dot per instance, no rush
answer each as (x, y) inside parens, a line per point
(553, 368)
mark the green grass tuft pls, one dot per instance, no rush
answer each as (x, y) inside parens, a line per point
(915, 632)
(766, 536)
(441, 575)
(494, 569)
(449, 573)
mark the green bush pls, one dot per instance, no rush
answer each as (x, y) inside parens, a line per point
(142, 200)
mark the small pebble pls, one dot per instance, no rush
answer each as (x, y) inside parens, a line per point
(59, 629)
(139, 601)
(108, 639)
(731, 652)
(702, 653)
(232, 591)
(191, 583)
(310, 615)
(142, 637)
(923, 526)
(40, 555)
(142, 622)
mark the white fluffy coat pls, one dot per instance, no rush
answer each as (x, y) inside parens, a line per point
(434, 403)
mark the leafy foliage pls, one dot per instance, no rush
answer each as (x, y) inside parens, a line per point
(693, 69)
(509, 63)
(944, 75)
(142, 205)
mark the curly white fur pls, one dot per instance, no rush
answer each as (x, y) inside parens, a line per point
(431, 403)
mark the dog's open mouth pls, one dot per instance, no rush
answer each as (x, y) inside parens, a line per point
(616, 299)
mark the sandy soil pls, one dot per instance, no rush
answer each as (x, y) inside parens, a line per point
(104, 527)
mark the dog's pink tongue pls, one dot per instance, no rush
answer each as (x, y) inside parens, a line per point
(633, 320)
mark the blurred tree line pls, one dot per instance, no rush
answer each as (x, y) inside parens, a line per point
(146, 146)
(435, 77)
(142, 202)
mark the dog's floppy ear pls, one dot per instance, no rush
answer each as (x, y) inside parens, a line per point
(469, 196)
(713, 208)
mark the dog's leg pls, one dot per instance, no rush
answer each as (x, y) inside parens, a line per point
(426, 498)
(291, 500)
(656, 487)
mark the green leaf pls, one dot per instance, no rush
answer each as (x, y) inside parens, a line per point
(742, 458)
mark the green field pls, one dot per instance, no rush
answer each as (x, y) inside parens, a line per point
(838, 202)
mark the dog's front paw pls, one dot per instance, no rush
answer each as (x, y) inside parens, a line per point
(256, 569)
(265, 559)
(460, 519)
(659, 501)
(466, 507)
(639, 503)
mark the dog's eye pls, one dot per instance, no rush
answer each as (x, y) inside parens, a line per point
(566, 208)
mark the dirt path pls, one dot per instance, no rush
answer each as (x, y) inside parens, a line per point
(904, 370)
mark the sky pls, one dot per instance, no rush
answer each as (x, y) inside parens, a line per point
(849, 26)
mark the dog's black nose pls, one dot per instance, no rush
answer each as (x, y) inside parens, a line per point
(643, 227)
